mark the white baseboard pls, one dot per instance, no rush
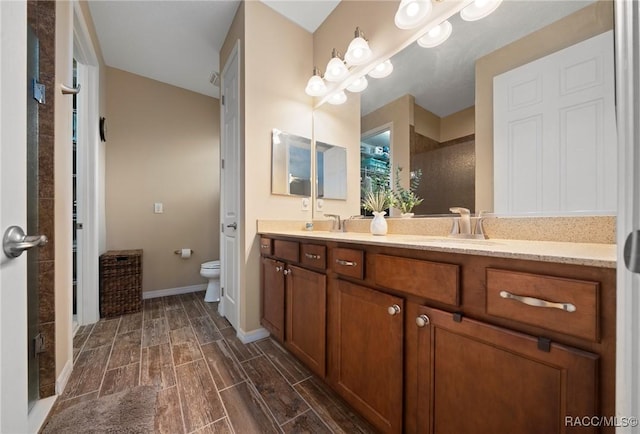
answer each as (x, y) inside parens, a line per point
(63, 378)
(252, 336)
(38, 414)
(173, 291)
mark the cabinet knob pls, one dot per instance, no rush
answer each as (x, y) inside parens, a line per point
(287, 272)
(393, 310)
(422, 320)
(278, 269)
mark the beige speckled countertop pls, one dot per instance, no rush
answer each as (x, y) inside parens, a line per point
(589, 254)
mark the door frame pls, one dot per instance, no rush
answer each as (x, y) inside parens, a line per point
(235, 52)
(627, 58)
(89, 183)
(13, 273)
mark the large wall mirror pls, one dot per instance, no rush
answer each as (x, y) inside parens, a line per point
(436, 88)
(290, 164)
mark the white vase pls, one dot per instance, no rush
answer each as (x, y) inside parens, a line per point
(406, 215)
(378, 224)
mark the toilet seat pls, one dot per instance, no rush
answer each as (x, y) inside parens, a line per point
(211, 265)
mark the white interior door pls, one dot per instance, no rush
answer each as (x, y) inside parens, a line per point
(13, 211)
(628, 281)
(230, 183)
(555, 134)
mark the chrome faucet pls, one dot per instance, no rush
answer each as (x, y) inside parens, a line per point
(337, 223)
(479, 232)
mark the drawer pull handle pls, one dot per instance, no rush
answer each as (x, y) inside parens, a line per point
(393, 310)
(422, 321)
(346, 263)
(279, 269)
(264, 246)
(312, 256)
(536, 302)
(287, 272)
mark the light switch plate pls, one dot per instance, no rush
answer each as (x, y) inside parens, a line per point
(305, 204)
(158, 208)
(319, 204)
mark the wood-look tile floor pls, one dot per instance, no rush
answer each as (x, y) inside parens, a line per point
(209, 381)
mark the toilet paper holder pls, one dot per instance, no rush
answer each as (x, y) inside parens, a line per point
(179, 251)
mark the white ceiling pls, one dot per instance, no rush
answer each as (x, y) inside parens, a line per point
(177, 42)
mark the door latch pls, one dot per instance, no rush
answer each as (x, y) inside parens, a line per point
(38, 91)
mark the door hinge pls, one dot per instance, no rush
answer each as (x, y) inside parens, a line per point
(38, 344)
(544, 344)
(79, 226)
(222, 100)
(221, 227)
(222, 163)
(222, 291)
(39, 91)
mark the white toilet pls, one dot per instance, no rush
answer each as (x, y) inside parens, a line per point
(211, 271)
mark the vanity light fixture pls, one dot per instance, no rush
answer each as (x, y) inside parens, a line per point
(315, 85)
(411, 13)
(358, 85)
(358, 52)
(338, 98)
(336, 69)
(436, 36)
(382, 69)
(479, 9)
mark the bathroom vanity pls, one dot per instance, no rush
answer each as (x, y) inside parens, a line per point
(428, 335)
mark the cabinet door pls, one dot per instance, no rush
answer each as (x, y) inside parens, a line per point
(365, 343)
(477, 378)
(273, 297)
(306, 317)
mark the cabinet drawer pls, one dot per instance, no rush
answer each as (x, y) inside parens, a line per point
(565, 305)
(348, 262)
(265, 246)
(432, 280)
(287, 250)
(313, 255)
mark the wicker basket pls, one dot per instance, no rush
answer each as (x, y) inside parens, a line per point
(120, 282)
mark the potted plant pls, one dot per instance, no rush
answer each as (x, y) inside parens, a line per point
(377, 199)
(406, 199)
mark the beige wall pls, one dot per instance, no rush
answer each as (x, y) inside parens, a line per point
(63, 192)
(274, 97)
(426, 123)
(162, 146)
(583, 24)
(460, 124)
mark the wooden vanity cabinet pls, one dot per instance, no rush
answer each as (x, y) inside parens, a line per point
(294, 299)
(273, 297)
(366, 352)
(473, 377)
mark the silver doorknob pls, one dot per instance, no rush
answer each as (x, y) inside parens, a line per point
(287, 272)
(233, 225)
(422, 320)
(278, 269)
(15, 241)
(393, 310)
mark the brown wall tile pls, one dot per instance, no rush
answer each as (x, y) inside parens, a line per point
(46, 299)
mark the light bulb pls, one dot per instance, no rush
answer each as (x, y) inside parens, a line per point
(436, 36)
(358, 51)
(338, 98)
(336, 69)
(382, 69)
(411, 13)
(479, 9)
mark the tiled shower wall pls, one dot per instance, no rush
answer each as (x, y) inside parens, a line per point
(42, 17)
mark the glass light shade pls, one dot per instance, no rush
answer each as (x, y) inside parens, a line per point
(336, 70)
(382, 70)
(338, 98)
(479, 9)
(316, 86)
(436, 36)
(358, 52)
(411, 13)
(358, 85)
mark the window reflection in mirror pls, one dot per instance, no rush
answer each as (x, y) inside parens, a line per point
(375, 161)
(290, 164)
(331, 171)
